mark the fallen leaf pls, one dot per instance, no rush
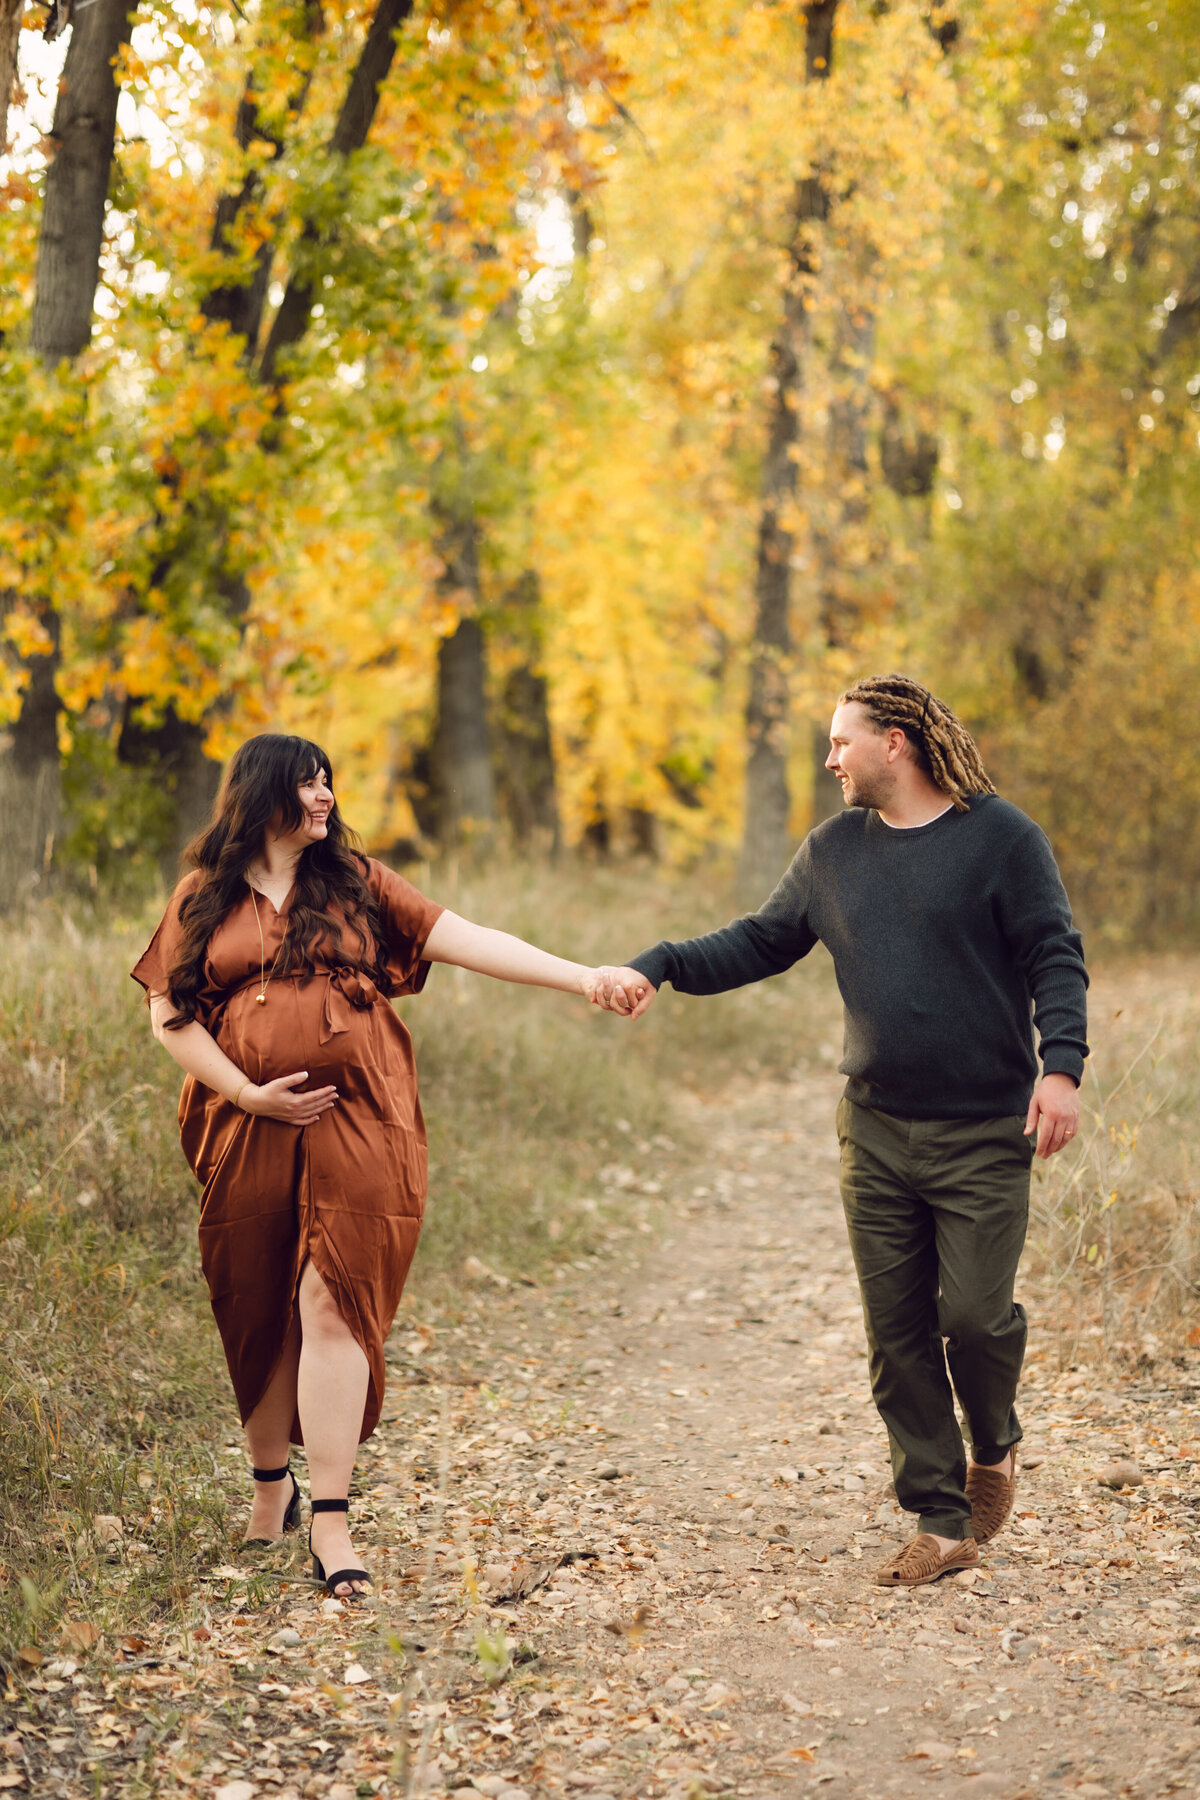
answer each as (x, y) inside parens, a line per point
(633, 1629)
(355, 1674)
(31, 1656)
(77, 1634)
(526, 1577)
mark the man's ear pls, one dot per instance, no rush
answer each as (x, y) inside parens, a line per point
(897, 740)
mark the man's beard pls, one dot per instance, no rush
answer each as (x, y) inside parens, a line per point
(868, 793)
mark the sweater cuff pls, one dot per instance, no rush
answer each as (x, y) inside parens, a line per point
(1058, 1060)
(654, 964)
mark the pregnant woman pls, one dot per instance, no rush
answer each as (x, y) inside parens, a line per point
(268, 981)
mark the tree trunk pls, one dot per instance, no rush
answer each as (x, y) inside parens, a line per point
(462, 761)
(10, 37)
(525, 749)
(72, 230)
(765, 834)
(174, 752)
(464, 792)
(30, 782)
(68, 265)
(839, 548)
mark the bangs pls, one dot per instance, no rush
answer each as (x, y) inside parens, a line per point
(308, 760)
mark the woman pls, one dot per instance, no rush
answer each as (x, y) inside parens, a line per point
(268, 981)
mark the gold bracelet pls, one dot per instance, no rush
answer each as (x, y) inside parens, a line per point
(247, 1083)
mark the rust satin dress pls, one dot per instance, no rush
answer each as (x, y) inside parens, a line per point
(347, 1192)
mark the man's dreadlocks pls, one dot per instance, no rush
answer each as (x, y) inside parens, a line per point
(943, 744)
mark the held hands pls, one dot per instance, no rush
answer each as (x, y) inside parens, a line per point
(622, 991)
(1053, 1114)
(275, 1100)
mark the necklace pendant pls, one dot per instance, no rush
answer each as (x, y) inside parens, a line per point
(262, 999)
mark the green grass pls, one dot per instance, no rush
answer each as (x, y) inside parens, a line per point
(113, 1396)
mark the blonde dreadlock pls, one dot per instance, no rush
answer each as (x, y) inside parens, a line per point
(944, 746)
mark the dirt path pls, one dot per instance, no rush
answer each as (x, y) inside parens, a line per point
(692, 1432)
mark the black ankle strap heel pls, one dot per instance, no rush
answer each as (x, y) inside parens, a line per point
(291, 1518)
(334, 1581)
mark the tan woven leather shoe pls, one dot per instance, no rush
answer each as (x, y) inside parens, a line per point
(924, 1560)
(991, 1495)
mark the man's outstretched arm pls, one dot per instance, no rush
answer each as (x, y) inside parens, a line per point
(752, 948)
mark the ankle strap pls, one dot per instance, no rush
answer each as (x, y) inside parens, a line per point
(271, 1474)
(329, 1506)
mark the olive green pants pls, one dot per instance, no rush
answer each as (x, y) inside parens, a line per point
(937, 1211)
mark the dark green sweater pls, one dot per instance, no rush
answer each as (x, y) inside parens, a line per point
(950, 940)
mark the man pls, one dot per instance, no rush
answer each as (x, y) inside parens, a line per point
(951, 937)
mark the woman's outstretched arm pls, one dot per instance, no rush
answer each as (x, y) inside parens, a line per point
(487, 952)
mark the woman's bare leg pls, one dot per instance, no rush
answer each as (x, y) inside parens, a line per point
(331, 1389)
(268, 1439)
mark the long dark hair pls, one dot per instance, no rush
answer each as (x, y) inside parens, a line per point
(260, 786)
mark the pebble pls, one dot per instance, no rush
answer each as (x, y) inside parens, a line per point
(594, 1746)
(236, 1790)
(717, 1694)
(332, 1608)
(607, 1472)
(108, 1531)
(1119, 1474)
(934, 1749)
(287, 1638)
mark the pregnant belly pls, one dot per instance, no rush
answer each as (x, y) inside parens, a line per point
(362, 1050)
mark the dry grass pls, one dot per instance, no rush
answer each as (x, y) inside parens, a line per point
(1116, 1220)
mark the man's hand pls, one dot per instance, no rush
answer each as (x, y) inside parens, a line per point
(1053, 1114)
(624, 991)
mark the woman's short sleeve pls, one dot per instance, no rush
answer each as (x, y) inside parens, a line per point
(407, 918)
(159, 956)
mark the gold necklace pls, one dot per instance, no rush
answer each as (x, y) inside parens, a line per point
(264, 980)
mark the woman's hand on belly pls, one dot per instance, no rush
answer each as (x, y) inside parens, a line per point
(277, 1100)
